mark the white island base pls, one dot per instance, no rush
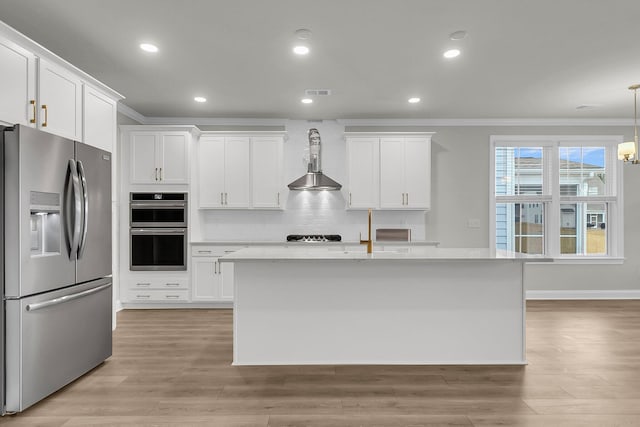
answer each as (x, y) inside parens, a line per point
(376, 310)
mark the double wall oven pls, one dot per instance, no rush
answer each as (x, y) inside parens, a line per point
(158, 231)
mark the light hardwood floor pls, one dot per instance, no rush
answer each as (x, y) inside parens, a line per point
(173, 367)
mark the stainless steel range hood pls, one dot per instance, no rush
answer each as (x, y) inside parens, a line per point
(314, 179)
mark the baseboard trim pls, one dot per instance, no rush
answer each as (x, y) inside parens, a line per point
(584, 294)
(187, 305)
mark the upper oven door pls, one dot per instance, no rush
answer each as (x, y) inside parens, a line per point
(158, 214)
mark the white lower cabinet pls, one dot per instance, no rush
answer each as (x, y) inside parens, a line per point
(212, 280)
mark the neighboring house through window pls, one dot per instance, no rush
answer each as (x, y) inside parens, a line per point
(556, 195)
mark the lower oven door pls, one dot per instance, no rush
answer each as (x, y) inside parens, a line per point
(162, 249)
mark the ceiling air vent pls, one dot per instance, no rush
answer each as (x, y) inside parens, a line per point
(317, 92)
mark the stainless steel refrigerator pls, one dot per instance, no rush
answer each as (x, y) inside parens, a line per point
(56, 290)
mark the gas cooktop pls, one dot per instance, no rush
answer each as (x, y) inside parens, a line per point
(312, 238)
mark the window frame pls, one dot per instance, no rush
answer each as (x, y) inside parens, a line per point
(551, 198)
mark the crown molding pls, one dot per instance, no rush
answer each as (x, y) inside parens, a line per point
(486, 122)
(23, 42)
(131, 113)
(216, 121)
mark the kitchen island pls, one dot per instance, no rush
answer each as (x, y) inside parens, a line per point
(419, 305)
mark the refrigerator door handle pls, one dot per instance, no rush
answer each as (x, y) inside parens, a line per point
(73, 230)
(85, 209)
(66, 298)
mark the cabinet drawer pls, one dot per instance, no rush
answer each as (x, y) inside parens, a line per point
(213, 251)
(155, 283)
(140, 295)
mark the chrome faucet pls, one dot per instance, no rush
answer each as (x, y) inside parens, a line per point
(369, 241)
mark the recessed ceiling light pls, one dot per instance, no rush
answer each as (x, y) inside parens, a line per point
(303, 34)
(458, 35)
(200, 99)
(306, 100)
(147, 47)
(301, 50)
(414, 100)
(451, 53)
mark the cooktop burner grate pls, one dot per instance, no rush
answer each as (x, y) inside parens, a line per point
(314, 238)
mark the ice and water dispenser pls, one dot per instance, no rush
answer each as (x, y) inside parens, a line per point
(46, 227)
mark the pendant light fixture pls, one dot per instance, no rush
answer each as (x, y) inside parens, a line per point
(628, 151)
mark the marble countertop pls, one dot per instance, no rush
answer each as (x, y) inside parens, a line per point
(310, 244)
(418, 253)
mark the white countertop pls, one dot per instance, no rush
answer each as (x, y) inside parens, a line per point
(418, 253)
(312, 244)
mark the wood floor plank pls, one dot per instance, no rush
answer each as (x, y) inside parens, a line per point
(173, 368)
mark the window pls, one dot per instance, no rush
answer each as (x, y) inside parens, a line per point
(556, 196)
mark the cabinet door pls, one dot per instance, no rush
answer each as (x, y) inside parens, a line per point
(362, 171)
(211, 172)
(392, 194)
(173, 160)
(99, 119)
(236, 168)
(225, 270)
(143, 158)
(206, 279)
(60, 101)
(266, 172)
(417, 171)
(17, 85)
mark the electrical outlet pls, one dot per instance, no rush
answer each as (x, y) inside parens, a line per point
(473, 223)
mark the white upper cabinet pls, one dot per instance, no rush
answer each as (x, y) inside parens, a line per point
(417, 173)
(389, 171)
(223, 165)
(100, 119)
(211, 174)
(266, 172)
(405, 173)
(17, 85)
(59, 101)
(143, 157)
(240, 171)
(41, 90)
(363, 157)
(236, 172)
(159, 157)
(172, 158)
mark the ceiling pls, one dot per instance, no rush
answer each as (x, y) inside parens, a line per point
(520, 59)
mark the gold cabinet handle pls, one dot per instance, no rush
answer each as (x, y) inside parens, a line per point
(33, 106)
(46, 115)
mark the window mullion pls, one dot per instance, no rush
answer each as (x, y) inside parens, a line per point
(552, 208)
